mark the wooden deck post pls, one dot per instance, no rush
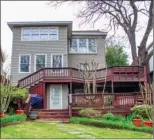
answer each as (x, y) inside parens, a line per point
(44, 97)
(112, 87)
(70, 105)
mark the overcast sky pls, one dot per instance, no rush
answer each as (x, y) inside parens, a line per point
(40, 11)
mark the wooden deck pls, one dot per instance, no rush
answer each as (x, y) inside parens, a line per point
(66, 75)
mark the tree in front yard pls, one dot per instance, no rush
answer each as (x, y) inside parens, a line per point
(116, 56)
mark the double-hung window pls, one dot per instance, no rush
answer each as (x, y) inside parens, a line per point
(24, 63)
(92, 45)
(26, 34)
(53, 34)
(40, 61)
(44, 34)
(35, 34)
(83, 45)
(57, 62)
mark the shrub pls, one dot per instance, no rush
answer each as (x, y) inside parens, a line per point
(12, 119)
(141, 110)
(19, 94)
(109, 116)
(90, 113)
(119, 118)
(110, 124)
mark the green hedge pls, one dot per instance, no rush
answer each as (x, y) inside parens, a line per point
(110, 124)
(12, 119)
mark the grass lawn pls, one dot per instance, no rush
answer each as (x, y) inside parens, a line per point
(61, 130)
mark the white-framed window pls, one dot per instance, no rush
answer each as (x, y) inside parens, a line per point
(35, 34)
(57, 61)
(83, 45)
(26, 34)
(24, 63)
(44, 34)
(40, 61)
(53, 34)
(39, 34)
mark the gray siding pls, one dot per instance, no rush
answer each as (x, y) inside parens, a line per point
(36, 47)
(64, 96)
(75, 59)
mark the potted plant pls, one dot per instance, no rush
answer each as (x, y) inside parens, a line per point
(19, 96)
(137, 120)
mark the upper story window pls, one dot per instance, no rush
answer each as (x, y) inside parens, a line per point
(39, 34)
(24, 63)
(40, 61)
(83, 45)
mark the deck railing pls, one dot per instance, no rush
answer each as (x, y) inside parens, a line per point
(129, 73)
(105, 100)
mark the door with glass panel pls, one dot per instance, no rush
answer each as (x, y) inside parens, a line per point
(56, 97)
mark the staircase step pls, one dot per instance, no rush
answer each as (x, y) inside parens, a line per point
(53, 116)
(52, 113)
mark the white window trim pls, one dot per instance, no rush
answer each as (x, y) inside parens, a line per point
(52, 61)
(29, 63)
(35, 60)
(86, 47)
(39, 33)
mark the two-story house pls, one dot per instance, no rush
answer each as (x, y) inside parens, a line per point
(37, 45)
(45, 59)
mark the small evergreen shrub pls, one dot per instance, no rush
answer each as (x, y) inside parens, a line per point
(12, 119)
(90, 113)
(109, 116)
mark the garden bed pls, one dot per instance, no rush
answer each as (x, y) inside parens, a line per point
(13, 119)
(102, 122)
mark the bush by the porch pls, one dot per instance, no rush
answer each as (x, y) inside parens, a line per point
(90, 113)
(141, 110)
(8, 120)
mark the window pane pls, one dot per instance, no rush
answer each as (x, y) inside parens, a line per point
(92, 45)
(24, 59)
(44, 31)
(57, 61)
(73, 47)
(39, 66)
(52, 31)
(35, 31)
(40, 59)
(24, 63)
(52, 37)
(91, 42)
(26, 37)
(35, 36)
(44, 37)
(26, 31)
(82, 46)
(40, 62)
(24, 68)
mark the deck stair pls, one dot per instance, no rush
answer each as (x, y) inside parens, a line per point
(53, 114)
